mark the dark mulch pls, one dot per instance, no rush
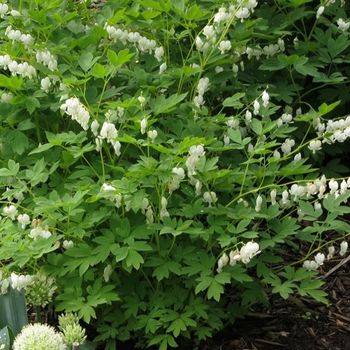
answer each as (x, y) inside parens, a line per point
(296, 324)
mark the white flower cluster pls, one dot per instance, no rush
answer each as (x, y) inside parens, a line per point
(202, 87)
(210, 198)
(163, 208)
(265, 99)
(267, 51)
(110, 192)
(142, 43)
(4, 10)
(23, 69)
(77, 111)
(39, 336)
(67, 244)
(241, 10)
(39, 232)
(20, 282)
(287, 146)
(286, 118)
(245, 254)
(320, 188)
(10, 211)
(108, 132)
(319, 258)
(17, 35)
(178, 175)
(343, 25)
(46, 58)
(333, 131)
(23, 220)
(6, 97)
(194, 155)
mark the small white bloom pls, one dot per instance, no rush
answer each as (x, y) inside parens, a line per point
(319, 12)
(162, 68)
(235, 69)
(265, 98)
(320, 258)
(6, 97)
(108, 131)
(23, 220)
(224, 46)
(159, 53)
(342, 25)
(343, 248)
(210, 197)
(143, 125)
(297, 157)
(3, 9)
(256, 105)
(45, 84)
(20, 282)
(273, 195)
(317, 206)
(67, 244)
(234, 257)
(152, 134)
(142, 100)
(315, 145)
(333, 185)
(222, 262)
(209, 32)
(258, 203)
(10, 211)
(94, 127)
(331, 252)
(248, 117)
(248, 251)
(310, 265)
(179, 172)
(108, 188)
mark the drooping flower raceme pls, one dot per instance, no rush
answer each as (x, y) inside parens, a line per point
(22, 69)
(202, 87)
(77, 111)
(17, 35)
(46, 58)
(195, 153)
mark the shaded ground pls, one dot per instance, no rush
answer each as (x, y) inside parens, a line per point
(296, 324)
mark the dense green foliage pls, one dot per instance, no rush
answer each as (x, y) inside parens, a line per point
(132, 232)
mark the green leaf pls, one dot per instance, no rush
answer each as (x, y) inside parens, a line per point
(86, 61)
(41, 148)
(256, 126)
(233, 101)
(18, 141)
(120, 253)
(13, 311)
(120, 58)
(165, 105)
(99, 71)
